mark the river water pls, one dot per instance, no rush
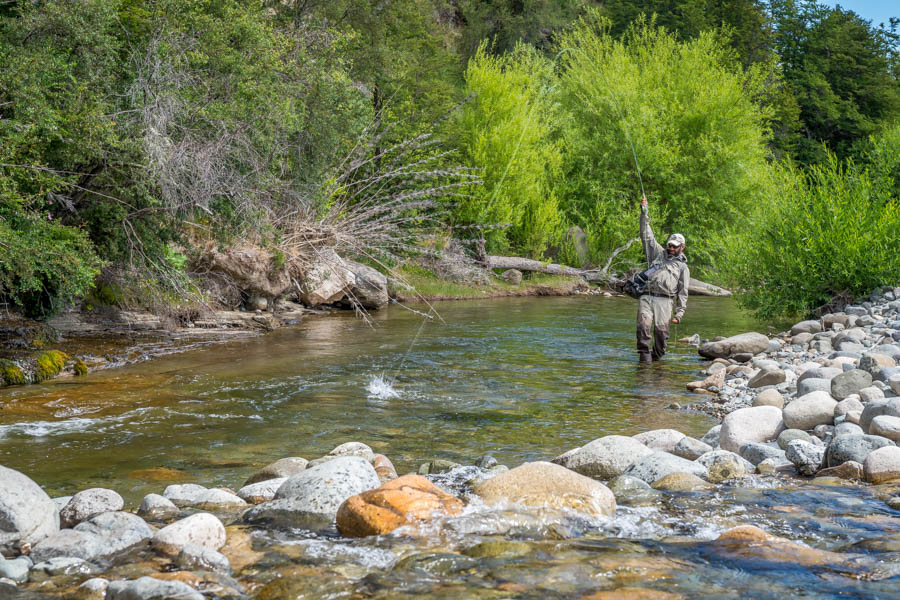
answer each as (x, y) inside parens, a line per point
(520, 379)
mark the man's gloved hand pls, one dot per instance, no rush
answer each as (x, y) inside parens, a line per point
(644, 203)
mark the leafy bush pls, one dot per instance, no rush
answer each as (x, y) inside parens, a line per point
(507, 131)
(832, 237)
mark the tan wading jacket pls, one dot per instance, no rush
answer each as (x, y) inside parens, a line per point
(673, 278)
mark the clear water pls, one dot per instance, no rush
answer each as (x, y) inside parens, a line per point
(521, 379)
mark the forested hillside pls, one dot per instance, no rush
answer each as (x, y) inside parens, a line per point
(137, 137)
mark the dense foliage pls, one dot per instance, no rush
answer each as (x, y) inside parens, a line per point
(133, 131)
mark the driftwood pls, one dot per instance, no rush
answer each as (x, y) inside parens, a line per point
(695, 288)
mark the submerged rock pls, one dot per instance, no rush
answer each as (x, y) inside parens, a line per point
(543, 484)
(27, 514)
(680, 482)
(723, 465)
(399, 502)
(149, 588)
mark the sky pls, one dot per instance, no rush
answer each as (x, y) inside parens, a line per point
(877, 11)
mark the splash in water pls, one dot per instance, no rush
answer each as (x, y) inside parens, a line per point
(380, 388)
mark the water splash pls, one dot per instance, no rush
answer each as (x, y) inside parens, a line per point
(381, 388)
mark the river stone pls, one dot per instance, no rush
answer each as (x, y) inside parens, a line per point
(261, 491)
(193, 556)
(187, 494)
(745, 343)
(87, 503)
(399, 502)
(870, 394)
(873, 362)
(95, 587)
(327, 280)
(806, 456)
(606, 457)
(806, 327)
(847, 405)
(848, 470)
(15, 569)
(62, 565)
(711, 437)
(853, 447)
(680, 482)
(283, 467)
(663, 440)
(788, 435)
(369, 288)
(659, 464)
(61, 501)
(723, 465)
(545, 484)
(892, 350)
(201, 529)
(101, 537)
(813, 384)
(801, 339)
(815, 408)
(625, 485)
(690, 448)
(886, 426)
(155, 506)
(353, 449)
(149, 588)
(756, 452)
(828, 373)
(219, 499)
(853, 334)
(882, 464)
(847, 428)
(886, 407)
(770, 397)
(768, 376)
(894, 383)
(754, 424)
(27, 514)
(850, 382)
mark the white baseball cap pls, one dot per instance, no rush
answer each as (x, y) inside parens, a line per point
(676, 239)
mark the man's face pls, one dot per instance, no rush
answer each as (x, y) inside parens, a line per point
(674, 249)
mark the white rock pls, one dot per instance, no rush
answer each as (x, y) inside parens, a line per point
(27, 514)
(815, 408)
(87, 503)
(201, 529)
(754, 424)
(664, 440)
(261, 491)
(606, 457)
(886, 426)
(882, 464)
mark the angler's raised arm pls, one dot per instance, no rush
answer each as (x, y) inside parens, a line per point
(652, 249)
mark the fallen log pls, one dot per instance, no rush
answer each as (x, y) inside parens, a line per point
(695, 287)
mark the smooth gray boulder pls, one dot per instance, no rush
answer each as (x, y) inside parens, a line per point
(149, 588)
(850, 382)
(813, 384)
(606, 457)
(848, 405)
(27, 514)
(815, 408)
(882, 465)
(873, 362)
(370, 288)
(894, 383)
(656, 465)
(770, 397)
(283, 467)
(746, 425)
(196, 496)
(690, 448)
(723, 465)
(870, 394)
(200, 529)
(16, 569)
(663, 440)
(64, 565)
(886, 426)
(156, 507)
(87, 503)
(847, 428)
(261, 491)
(768, 376)
(853, 447)
(806, 456)
(789, 435)
(756, 452)
(98, 538)
(711, 437)
(184, 494)
(313, 496)
(203, 558)
(806, 327)
(828, 373)
(745, 343)
(886, 407)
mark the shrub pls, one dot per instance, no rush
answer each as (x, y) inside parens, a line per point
(831, 237)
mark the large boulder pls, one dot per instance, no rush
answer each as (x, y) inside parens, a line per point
(543, 484)
(199, 529)
(101, 537)
(882, 465)
(745, 343)
(815, 408)
(313, 496)
(369, 288)
(327, 280)
(850, 382)
(606, 457)
(87, 503)
(664, 440)
(853, 447)
(656, 465)
(753, 424)
(401, 501)
(27, 514)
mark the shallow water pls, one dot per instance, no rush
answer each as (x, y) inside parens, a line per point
(521, 379)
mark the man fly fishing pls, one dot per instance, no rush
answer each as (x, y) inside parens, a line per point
(667, 278)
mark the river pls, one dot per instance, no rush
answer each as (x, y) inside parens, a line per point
(520, 379)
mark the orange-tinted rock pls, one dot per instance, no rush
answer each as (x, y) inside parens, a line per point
(749, 542)
(384, 468)
(398, 502)
(238, 548)
(158, 474)
(633, 593)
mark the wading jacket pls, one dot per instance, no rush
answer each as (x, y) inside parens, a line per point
(672, 279)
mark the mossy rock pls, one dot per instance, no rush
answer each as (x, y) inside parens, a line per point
(49, 364)
(80, 368)
(11, 374)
